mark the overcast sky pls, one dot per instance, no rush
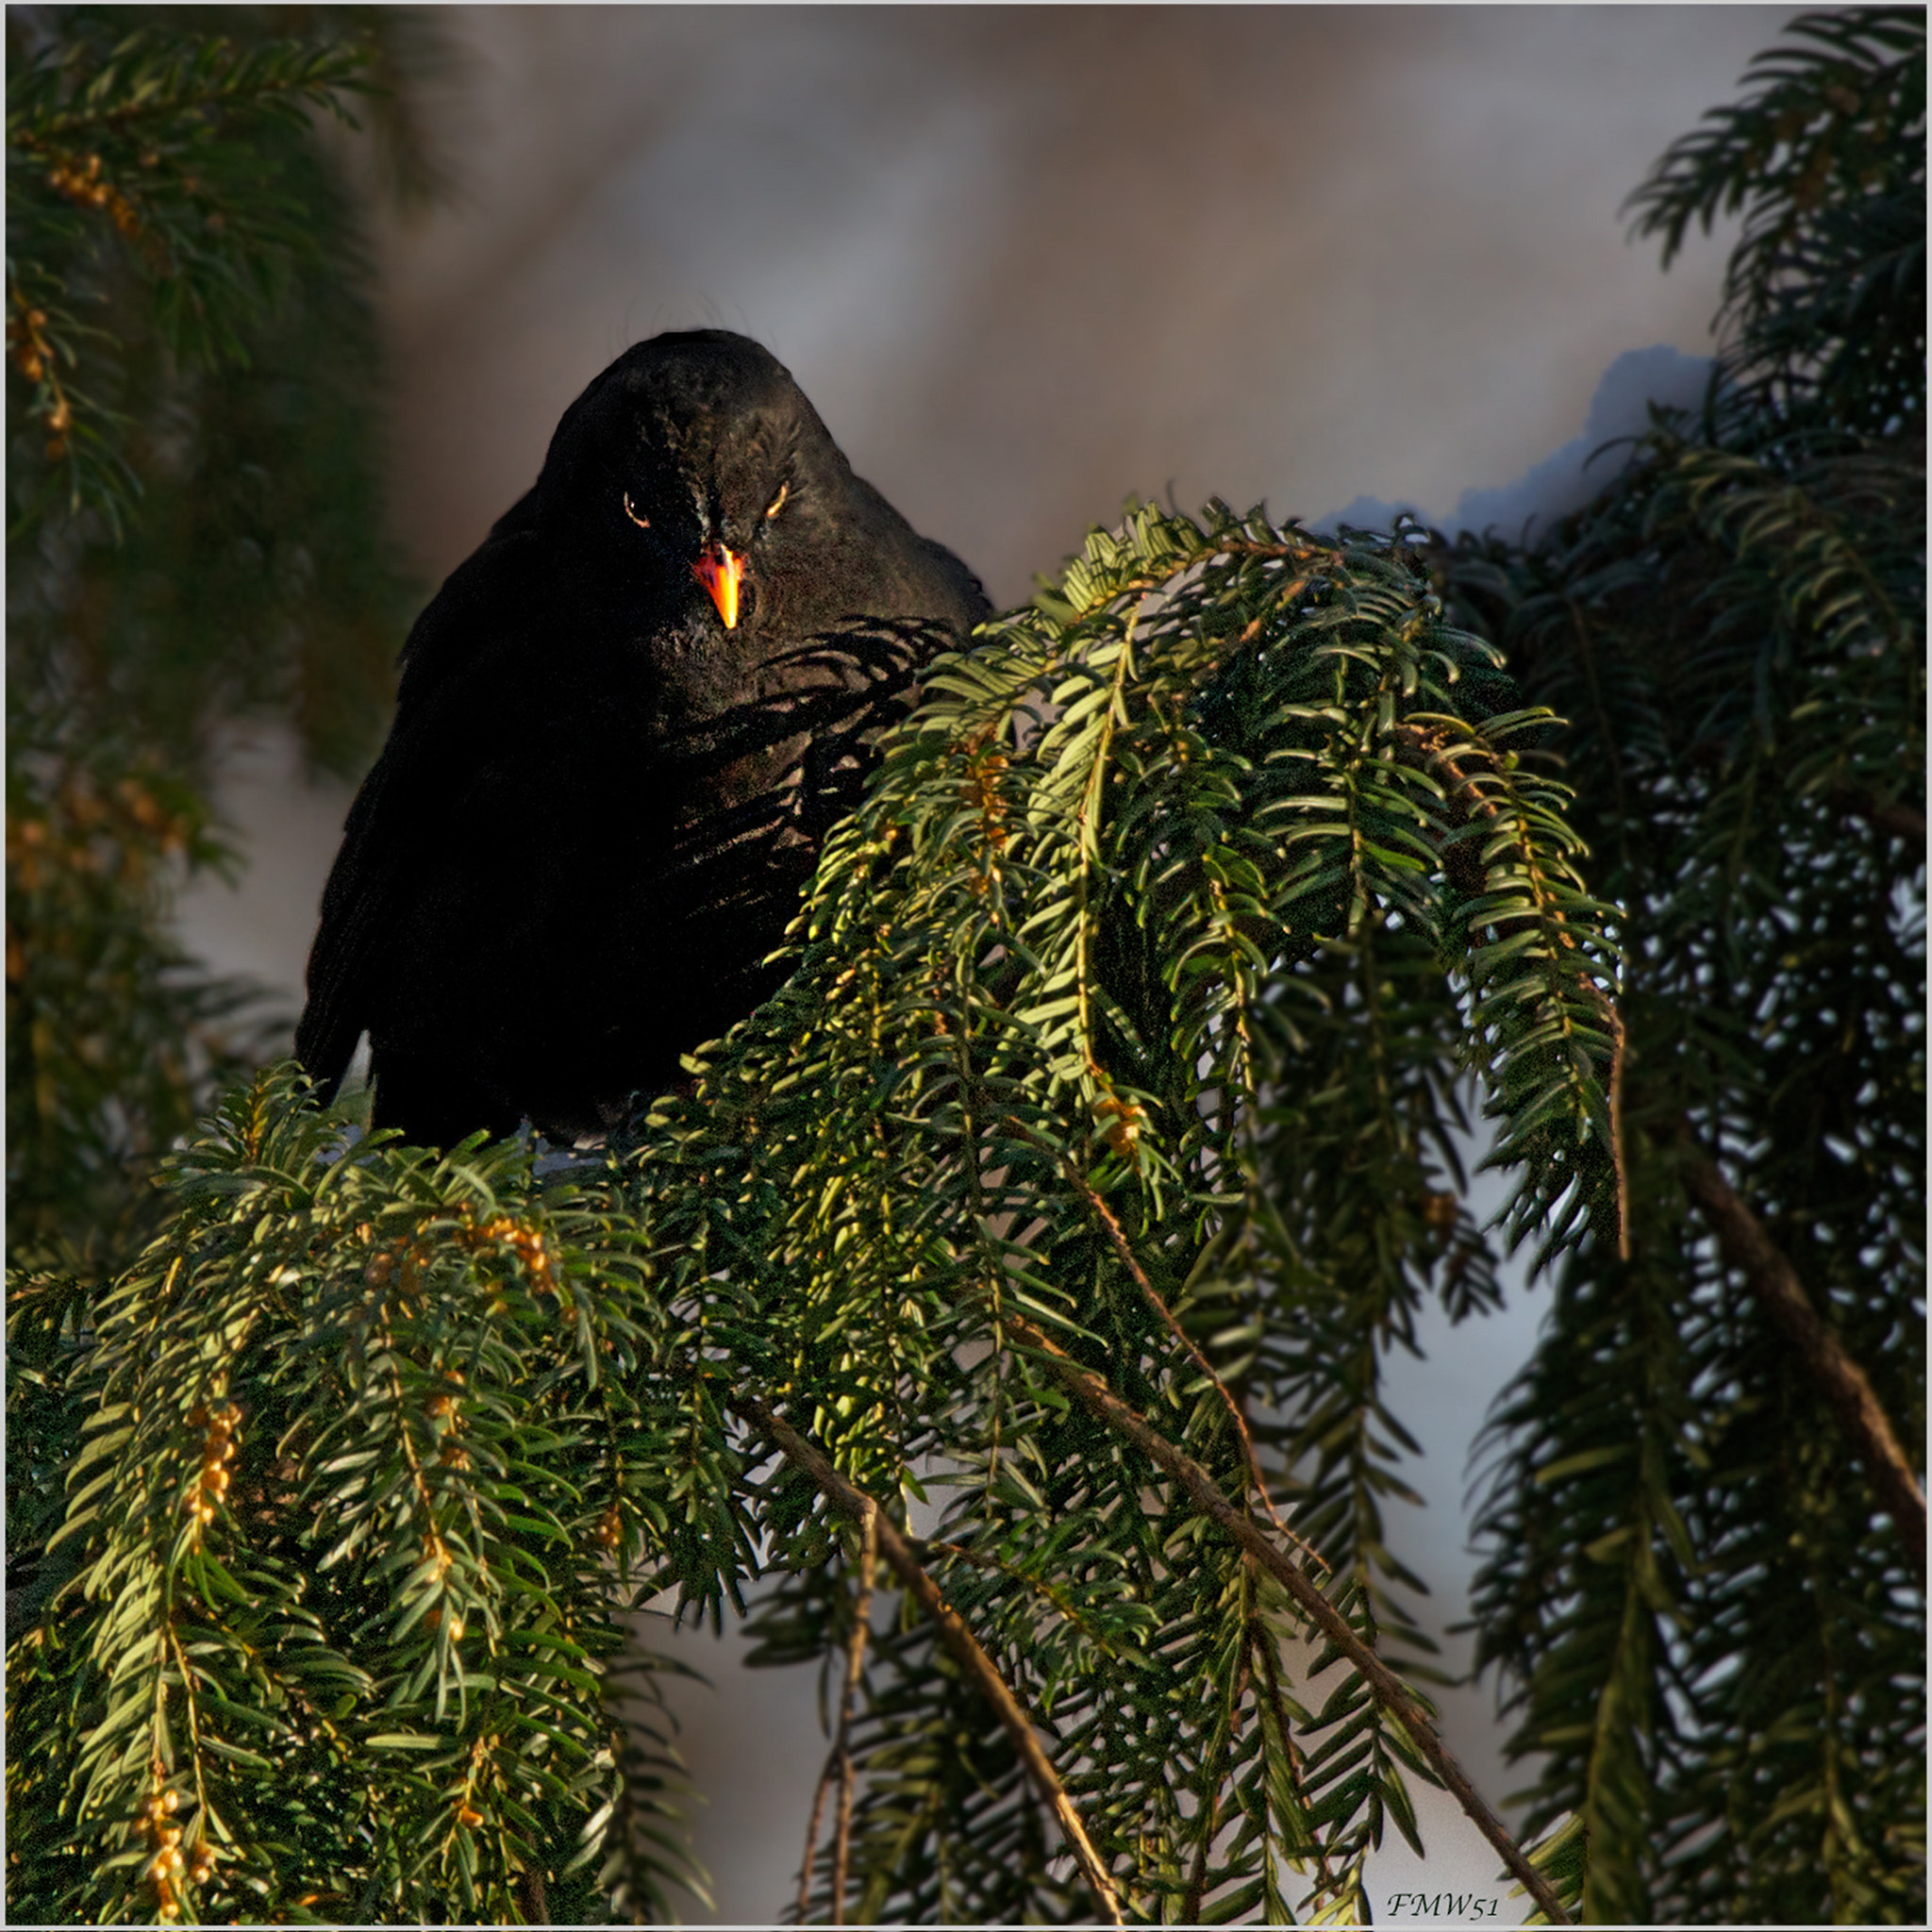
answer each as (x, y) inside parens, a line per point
(1027, 261)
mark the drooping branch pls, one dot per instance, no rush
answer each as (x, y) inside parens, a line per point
(979, 1668)
(1122, 1247)
(1427, 748)
(1746, 1246)
(1389, 1691)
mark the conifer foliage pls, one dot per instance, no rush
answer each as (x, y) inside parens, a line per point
(1007, 1298)
(1110, 1105)
(1706, 1526)
(194, 543)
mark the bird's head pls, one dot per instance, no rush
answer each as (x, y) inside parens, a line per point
(695, 463)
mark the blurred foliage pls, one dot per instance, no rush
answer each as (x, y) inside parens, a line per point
(1133, 1017)
(1715, 1650)
(194, 541)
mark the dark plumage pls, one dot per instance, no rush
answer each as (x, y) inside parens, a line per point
(623, 727)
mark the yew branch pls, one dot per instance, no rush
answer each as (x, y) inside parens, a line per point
(953, 1633)
(1746, 1245)
(1389, 1691)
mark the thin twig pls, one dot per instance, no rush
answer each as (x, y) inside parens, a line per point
(838, 1760)
(1210, 1800)
(1425, 746)
(811, 1838)
(855, 1667)
(1099, 1400)
(953, 1632)
(533, 1897)
(1892, 815)
(1746, 1246)
(993, 1567)
(1607, 1007)
(1126, 1254)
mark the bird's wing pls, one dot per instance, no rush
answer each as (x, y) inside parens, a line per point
(974, 606)
(940, 584)
(453, 674)
(355, 911)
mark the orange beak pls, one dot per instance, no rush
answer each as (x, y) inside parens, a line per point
(719, 571)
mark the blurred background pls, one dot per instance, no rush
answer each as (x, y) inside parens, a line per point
(1026, 261)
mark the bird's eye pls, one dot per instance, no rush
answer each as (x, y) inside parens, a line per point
(642, 523)
(779, 501)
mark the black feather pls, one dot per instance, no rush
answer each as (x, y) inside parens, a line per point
(598, 804)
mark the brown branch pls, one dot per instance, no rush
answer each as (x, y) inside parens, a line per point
(855, 1667)
(811, 1839)
(42, 140)
(1126, 1254)
(1745, 1245)
(1011, 1571)
(1889, 814)
(1389, 1692)
(1895, 815)
(979, 1668)
(533, 1899)
(1607, 1009)
(1427, 748)
(1209, 1814)
(838, 1760)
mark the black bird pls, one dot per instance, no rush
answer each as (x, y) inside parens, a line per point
(624, 726)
